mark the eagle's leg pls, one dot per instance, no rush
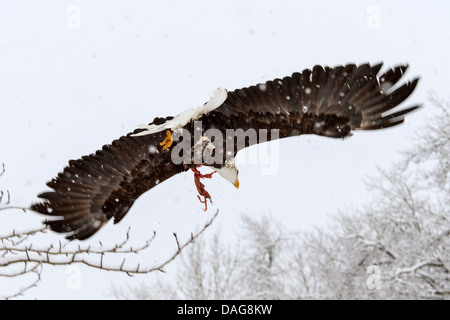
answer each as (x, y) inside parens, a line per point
(167, 143)
(201, 187)
(199, 175)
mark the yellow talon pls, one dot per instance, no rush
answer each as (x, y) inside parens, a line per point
(167, 143)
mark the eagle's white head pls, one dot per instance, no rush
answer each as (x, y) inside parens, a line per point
(230, 172)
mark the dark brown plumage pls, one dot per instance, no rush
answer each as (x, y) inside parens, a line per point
(324, 101)
(104, 185)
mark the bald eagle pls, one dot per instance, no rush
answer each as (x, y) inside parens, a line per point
(325, 101)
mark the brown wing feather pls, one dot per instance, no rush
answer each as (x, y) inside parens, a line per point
(324, 101)
(104, 185)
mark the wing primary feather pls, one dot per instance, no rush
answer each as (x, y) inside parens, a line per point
(325, 101)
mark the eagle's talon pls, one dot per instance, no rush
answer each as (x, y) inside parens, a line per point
(204, 201)
(167, 143)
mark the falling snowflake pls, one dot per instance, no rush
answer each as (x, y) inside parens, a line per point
(153, 150)
(262, 87)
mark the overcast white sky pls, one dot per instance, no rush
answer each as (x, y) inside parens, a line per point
(70, 83)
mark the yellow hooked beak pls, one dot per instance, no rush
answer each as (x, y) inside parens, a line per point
(236, 184)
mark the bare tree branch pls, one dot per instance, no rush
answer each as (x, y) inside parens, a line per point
(21, 254)
(13, 253)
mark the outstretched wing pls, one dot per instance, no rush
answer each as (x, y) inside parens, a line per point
(104, 185)
(324, 101)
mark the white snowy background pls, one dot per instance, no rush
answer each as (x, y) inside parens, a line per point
(75, 75)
